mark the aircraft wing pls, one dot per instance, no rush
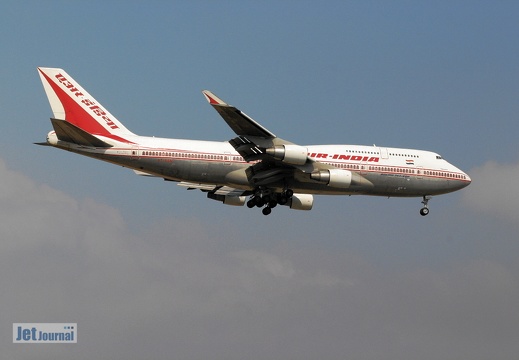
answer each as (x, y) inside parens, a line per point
(239, 122)
(255, 142)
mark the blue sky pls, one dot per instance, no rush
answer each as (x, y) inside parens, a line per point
(146, 267)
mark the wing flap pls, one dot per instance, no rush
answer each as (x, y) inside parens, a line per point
(215, 189)
(193, 186)
(229, 191)
(247, 149)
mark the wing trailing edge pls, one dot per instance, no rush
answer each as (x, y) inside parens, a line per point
(216, 189)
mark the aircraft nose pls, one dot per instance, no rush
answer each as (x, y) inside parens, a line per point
(466, 181)
(462, 181)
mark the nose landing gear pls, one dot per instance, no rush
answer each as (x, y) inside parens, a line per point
(425, 210)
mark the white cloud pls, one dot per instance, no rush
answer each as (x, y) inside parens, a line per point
(494, 190)
(263, 262)
(185, 288)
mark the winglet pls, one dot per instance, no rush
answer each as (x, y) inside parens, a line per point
(213, 99)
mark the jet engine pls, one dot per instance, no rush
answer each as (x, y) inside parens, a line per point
(290, 154)
(333, 177)
(228, 200)
(301, 202)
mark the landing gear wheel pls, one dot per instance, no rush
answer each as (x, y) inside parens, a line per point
(259, 201)
(251, 203)
(289, 193)
(282, 200)
(424, 211)
(266, 210)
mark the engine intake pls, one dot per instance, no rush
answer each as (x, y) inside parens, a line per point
(290, 154)
(333, 177)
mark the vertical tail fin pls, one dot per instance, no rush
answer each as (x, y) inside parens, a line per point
(70, 102)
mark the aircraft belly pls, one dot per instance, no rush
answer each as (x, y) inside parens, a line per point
(209, 172)
(391, 184)
(395, 185)
(398, 185)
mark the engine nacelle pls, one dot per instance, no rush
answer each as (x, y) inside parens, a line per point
(228, 200)
(234, 200)
(333, 177)
(301, 202)
(291, 154)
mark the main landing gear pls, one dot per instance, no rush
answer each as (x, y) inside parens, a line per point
(269, 200)
(425, 210)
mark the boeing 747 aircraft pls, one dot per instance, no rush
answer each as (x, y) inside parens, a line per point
(256, 167)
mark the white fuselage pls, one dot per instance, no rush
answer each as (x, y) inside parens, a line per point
(384, 171)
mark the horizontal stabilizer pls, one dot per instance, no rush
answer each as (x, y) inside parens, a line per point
(66, 131)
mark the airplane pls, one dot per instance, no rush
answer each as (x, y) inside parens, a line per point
(255, 168)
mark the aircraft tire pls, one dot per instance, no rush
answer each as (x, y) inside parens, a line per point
(259, 201)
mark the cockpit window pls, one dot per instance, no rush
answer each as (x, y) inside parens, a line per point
(438, 157)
